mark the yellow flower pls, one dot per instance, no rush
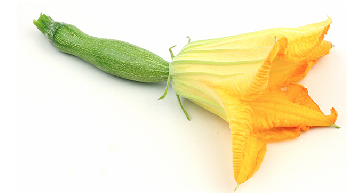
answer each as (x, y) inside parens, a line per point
(248, 80)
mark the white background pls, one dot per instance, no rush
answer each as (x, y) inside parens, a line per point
(82, 130)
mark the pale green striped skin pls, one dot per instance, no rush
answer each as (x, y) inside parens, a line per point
(112, 56)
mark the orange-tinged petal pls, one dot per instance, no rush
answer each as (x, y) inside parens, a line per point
(279, 133)
(253, 156)
(248, 150)
(284, 72)
(259, 82)
(289, 108)
(302, 41)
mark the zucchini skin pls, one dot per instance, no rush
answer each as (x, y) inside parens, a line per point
(116, 57)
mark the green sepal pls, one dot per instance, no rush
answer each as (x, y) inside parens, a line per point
(336, 126)
(179, 101)
(166, 88)
(237, 186)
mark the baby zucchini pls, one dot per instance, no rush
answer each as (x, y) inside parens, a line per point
(112, 56)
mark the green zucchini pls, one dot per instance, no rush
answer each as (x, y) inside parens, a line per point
(116, 57)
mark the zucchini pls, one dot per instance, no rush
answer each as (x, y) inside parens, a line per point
(116, 57)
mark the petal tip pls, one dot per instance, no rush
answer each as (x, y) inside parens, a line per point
(333, 115)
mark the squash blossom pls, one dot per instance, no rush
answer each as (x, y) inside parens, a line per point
(249, 81)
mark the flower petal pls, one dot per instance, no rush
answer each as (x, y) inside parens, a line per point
(279, 133)
(303, 41)
(284, 72)
(292, 107)
(248, 149)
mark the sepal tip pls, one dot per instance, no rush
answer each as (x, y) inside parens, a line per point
(336, 126)
(238, 184)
